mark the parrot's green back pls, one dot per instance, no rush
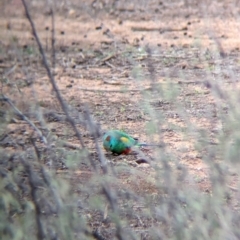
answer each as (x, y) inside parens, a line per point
(118, 142)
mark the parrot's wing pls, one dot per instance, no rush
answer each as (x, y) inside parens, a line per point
(126, 141)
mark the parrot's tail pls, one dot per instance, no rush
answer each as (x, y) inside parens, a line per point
(149, 145)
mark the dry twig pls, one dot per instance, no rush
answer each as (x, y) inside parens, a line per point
(149, 29)
(51, 77)
(107, 190)
(32, 182)
(113, 91)
(53, 40)
(6, 99)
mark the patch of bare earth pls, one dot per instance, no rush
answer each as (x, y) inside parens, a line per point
(102, 63)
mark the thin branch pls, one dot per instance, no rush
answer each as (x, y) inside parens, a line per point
(109, 193)
(53, 40)
(32, 182)
(11, 70)
(6, 99)
(106, 189)
(150, 29)
(96, 133)
(51, 77)
(57, 197)
(46, 179)
(115, 91)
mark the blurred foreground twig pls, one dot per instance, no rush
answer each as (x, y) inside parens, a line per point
(6, 99)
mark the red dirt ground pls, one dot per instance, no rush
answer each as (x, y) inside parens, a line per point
(101, 62)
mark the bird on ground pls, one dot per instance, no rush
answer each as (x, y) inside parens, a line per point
(119, 142)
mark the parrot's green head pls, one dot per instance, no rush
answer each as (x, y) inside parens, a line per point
(109, 142)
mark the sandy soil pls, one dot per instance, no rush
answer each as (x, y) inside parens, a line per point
(102, 63)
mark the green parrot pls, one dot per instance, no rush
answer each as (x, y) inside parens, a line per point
(120, 142)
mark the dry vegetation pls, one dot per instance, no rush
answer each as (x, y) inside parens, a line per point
(164, 71)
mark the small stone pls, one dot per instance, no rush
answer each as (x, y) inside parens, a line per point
(72, 13)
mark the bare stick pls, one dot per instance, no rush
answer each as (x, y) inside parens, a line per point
(150, 29)
(47, 179)
(53, 39)
(106, 189)
(6, 99)
(115, 91)
(94, 128)
(31, 176)
(51, 76)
